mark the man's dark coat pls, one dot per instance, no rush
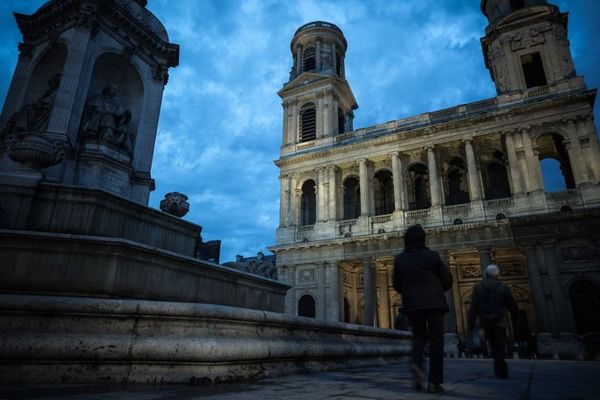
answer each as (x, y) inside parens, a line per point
(421, 277)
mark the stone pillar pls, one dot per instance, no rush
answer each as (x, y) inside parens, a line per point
(327, 112)
(332, 195)
(434, 181)
(321, 196)
(292, 136)
(370, 291)
(576, 155)
(537, 289)
(588, 128)
(318, 55)
(333, 57)
(533, 163)
(296, 193)
(364, 187)
(513, 164)
(18, 85)
(474, 181)
(321, 277)
(299, 59)
(397, 181)
(289, 214)
(333, 297)
(64, 104)
(283, 200)
(290, 298)
(383, 309)
(285, 130)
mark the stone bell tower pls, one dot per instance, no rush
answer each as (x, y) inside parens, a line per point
(317, 101)
(526, 46)
(85, 98)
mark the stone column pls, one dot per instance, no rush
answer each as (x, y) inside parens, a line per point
(384, 309)
(321, 278)
(332, 195)
(474, 181)
(299, 59)
(364, 187)
(533, 163)
(73, 72)
(289, 215)
(576, 155)
(18, 85)
(397, 181)
(295, 195)
(434, 182)
(292, 136)
(333, 57)
(327, 112)
(318, 55)
(283, 200)
(321, 196)
(513, 164)
(333, 297)
(588, 128)
(284, 134)
(539, 299)
(370, 291)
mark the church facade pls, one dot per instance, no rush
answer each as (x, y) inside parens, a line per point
(470, 175)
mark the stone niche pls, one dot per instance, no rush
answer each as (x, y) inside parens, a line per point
(110, 124)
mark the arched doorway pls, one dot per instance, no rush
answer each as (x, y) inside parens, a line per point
(307, 306)
(585, 301)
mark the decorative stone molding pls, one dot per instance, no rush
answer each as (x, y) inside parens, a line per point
(35, 150)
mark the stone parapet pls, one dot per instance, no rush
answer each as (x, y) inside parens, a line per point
(91, 340)
(84, 211)
(57, 264)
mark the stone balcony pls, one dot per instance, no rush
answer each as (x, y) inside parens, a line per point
(434, 217)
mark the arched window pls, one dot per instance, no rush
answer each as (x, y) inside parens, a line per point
(307, 306)
(351, 189)
(585, 300)
(308, 203)
(384, 193)
(495, 177)
(309, 60)
(418, 180)
(457, 191)
(308, 122)
(554, 163)
(341, 121)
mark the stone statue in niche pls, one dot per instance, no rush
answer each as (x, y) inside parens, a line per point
(106, 120)
(34, 117)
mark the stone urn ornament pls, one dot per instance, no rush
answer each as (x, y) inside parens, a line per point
(35, 150)
(175, 203)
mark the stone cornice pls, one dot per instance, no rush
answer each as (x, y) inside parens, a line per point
(58, 16)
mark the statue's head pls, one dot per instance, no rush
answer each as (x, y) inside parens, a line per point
(110, 90)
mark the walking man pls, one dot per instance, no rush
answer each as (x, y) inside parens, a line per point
(491, 298)
(421, 277)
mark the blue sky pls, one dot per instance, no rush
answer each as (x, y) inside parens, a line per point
(220, 124)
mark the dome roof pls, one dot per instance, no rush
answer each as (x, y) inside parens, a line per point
(496, 9)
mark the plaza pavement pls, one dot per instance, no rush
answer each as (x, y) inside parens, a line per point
(465, 379)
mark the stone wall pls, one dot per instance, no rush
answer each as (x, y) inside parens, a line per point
(52, 263)
(90, 340)
(93, 212)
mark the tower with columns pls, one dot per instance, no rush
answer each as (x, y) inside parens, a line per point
(470, 175)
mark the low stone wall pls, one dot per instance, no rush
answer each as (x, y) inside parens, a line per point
(93, 212)
(51, 339)
(60, 264)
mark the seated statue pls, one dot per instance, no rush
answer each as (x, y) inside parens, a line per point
(107, 120)
(36, 116)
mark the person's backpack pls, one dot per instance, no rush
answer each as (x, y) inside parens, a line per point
(491, 309)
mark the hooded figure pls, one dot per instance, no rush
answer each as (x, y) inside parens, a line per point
(421, 277)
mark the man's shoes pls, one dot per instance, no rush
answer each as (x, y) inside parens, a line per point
(417, 375)
(435, 388)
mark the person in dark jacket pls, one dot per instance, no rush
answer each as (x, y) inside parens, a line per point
(421, 277)
(489, 302)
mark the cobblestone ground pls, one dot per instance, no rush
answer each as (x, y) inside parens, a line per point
(465, 379)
